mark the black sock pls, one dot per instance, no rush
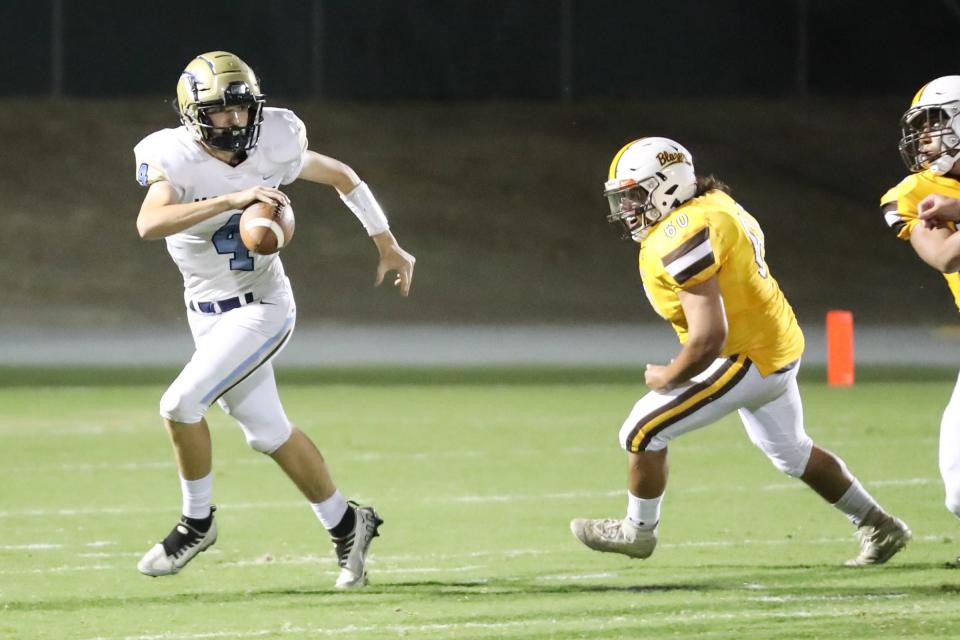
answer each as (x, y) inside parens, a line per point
(200, 524)
(345, 527)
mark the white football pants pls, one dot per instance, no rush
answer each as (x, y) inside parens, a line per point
(769, 408)
(231, 365)
(950, 451)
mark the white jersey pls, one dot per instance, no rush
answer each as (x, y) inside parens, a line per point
(212, 259)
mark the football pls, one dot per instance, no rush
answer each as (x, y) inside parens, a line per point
(265, 228)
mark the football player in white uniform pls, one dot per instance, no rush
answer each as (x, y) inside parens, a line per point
(231, 151)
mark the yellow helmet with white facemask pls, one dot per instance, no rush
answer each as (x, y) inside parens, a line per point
(213, 82)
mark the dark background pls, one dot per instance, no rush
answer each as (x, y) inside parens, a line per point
(489, 49)
(485, 128)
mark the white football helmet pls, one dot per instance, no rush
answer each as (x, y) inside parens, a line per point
(930, 129)
(649, 178)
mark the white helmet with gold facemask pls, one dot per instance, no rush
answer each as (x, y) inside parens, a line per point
(214, 82)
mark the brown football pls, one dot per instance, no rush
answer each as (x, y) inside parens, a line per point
(265, 228)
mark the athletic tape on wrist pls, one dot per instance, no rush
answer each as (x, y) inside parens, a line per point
(366, 208)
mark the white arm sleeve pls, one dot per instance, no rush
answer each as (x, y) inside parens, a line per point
(366, 208)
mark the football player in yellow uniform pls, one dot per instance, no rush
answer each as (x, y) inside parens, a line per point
(703, 268)
(924, 209)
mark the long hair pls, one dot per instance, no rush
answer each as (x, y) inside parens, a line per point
(706, 184)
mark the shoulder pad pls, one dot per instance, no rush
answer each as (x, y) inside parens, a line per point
(161, 154)
(283, 137)
(902, 189)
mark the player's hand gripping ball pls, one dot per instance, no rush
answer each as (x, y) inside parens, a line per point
(266, 228)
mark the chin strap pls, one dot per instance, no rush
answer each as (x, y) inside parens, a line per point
(944, 163)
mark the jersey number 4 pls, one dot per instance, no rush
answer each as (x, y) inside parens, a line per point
(227, 240)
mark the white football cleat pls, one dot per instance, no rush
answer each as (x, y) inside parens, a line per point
(351, 550)
(615, 536)
(880, 539)
(180, 546)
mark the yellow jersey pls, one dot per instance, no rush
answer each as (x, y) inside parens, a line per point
(899, 206)
(712, 235)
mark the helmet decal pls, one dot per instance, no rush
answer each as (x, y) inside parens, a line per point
(616, 158)
(667, 158)
(916, 96)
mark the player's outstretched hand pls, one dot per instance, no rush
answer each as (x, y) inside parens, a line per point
(394, 258)
(240, 199)
(936, 210)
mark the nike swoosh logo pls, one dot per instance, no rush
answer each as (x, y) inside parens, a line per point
(272, 304)
(268, 177)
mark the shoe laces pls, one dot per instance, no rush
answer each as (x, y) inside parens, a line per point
(872, 538)
(611, 529)
(181, 539)
(343, 547)
(865, 533)
(875, 531)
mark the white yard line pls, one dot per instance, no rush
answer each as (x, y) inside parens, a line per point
(598, 621)
(903, 482)
(520, 497)
(37, 546)
(838, 598)
(100, 511)
(577, 576)
(67, 568)
(254, 460)
(384, 564)
(466, 499)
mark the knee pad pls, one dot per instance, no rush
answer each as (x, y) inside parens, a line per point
(264, 431)
(267, 440)
(656, 443)
(181, 407)
(951, 486)
(791, 459)
(953, 505)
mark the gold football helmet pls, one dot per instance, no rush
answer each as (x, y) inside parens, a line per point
(214, 81)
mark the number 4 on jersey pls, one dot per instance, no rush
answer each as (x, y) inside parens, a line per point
(227, 240)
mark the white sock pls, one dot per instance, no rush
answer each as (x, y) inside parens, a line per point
(643, 512)
(856, 503)
(331, 510)
(197, 495)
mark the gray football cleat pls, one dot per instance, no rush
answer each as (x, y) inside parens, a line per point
(180, 546)
(881, 536)
(351, 550)
(615, 536)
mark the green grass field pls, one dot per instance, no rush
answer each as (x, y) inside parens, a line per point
(477, 480)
